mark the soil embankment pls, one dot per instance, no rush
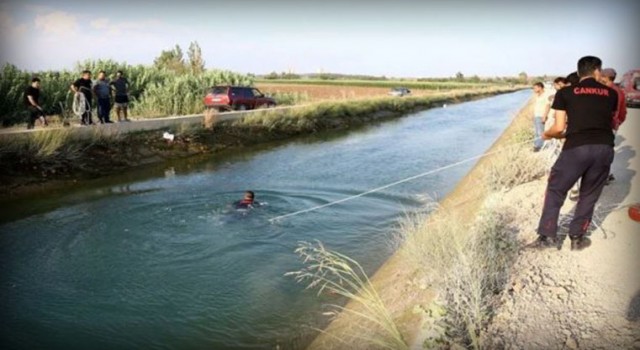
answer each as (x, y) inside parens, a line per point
(587, 299)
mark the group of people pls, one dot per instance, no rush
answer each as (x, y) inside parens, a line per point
(588, 108)
(107, 94)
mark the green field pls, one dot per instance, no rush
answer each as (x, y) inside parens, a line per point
(411, 84)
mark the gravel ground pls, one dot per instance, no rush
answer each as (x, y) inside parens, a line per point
(562, 299)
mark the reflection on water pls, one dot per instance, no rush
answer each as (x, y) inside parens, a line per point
(157, 257)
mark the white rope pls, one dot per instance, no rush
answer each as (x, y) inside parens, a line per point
(80, 104)
(430, 172)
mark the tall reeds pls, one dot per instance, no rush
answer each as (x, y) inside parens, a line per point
(154, 92)
(337, 274)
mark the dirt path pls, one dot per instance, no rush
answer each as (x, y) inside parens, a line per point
(577, 300)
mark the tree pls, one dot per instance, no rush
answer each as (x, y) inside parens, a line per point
(272, 75)
(459, 76)
(523, 77)
(196, 63)
(171, 60)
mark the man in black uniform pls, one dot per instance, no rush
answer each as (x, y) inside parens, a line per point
(32, 101)
(84, 85)
(587, 152)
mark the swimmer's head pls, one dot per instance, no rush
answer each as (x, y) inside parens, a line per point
(249, 195)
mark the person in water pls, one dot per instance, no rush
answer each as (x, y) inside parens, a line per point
(247, 202)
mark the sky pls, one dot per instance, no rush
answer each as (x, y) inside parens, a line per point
(396, 38)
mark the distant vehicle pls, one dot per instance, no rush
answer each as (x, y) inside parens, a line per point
(630, 84)
(239, 98)
(399, 91)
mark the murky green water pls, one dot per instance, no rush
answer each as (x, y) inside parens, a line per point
(155, 258)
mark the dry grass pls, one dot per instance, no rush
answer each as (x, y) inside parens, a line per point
(338, 274)
(54, 145)
(477, 274)
(517, 164)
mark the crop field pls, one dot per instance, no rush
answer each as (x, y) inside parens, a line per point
(311, 92)
(386, 84)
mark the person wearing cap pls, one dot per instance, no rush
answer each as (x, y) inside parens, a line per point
(608, 77)
(587, 153)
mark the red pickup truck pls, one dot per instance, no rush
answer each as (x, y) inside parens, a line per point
(226, 98)
(630, 84)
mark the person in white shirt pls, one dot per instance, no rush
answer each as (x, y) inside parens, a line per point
(541, 106)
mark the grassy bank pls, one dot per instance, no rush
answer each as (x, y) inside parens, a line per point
(58, 154)
(442, 284)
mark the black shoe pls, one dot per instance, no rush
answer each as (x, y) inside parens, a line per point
(611, 179)
(580, 242)
(536, 149)
(544, 242)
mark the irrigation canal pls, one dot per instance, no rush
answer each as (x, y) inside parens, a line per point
(156, 258)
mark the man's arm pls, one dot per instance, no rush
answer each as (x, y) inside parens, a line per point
(622, 113)
(547, 107)
(556, 131)
(74, 88)
(33, 102)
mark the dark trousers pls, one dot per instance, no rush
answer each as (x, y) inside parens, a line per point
(86, 116)
(104, 108)
(592, 163)
(34, 114)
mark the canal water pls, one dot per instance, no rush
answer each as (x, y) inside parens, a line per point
(156, 258)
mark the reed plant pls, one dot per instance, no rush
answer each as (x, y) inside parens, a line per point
(337, 274)
(154, 92)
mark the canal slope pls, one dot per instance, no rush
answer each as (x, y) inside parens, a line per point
(395, 280)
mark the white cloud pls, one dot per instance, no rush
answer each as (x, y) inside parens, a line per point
(12, 35)
(57, 23)
(100, 23)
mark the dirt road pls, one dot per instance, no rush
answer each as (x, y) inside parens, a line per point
(578, 300)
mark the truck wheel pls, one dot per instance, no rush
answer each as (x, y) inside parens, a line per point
(241, 107)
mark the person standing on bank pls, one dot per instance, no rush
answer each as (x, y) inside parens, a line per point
(32, 102)
(587, 153)
(541, 106)
(608, 77)
(83, 86)
(121, 91)
(102, 90)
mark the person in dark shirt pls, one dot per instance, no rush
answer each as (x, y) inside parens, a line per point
(102, 90)
(559, 83)
(32, 102)
(587, 152)
(120, 87)
(83, 86)
(573, 78)
(247, 202)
